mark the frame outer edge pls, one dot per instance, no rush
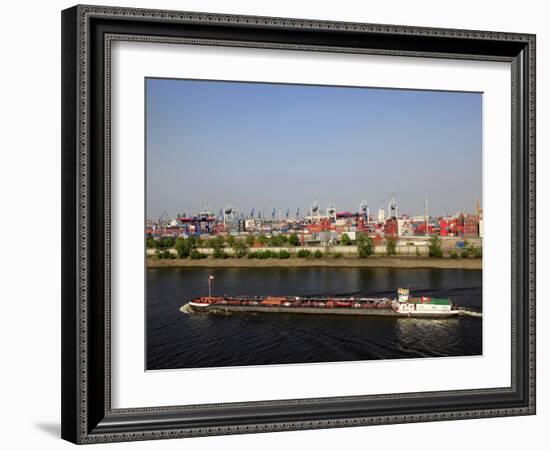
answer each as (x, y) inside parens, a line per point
(69, 230)
(297, 23)
(75, 217)
(532, 143)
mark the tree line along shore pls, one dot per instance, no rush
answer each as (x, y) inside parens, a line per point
(286, 251)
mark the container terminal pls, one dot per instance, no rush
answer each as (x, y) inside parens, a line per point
(325, 227)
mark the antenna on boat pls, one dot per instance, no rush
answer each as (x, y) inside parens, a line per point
(210, 278)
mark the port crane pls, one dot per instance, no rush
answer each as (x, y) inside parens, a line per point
(163, 220)
(479, 211)
(426, 217)
(331, 211)
(229, 214)
(364, 210)
(393, 211)
(315, 210)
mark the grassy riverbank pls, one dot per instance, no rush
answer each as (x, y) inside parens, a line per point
(395, 262)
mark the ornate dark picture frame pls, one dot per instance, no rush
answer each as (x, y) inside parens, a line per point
(87, 33)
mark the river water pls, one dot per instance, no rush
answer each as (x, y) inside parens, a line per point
(178, 340)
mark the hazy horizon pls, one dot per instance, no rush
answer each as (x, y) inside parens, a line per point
(266, 146)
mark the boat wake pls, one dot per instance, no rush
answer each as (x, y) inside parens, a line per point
(187, 309)
(470, 313)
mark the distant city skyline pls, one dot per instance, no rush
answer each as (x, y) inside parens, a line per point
(263, 146)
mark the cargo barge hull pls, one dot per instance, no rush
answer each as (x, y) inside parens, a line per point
(402, 306)
(229, 309)
(301, 310)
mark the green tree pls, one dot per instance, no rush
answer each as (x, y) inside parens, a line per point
(161, 243)
(166, 242)
(230, 240)
(277, 241)
(216, 242)
(473, 250)
(317, 254)
(240, 248)
(435, 250)
(465, 254)
(184, 247)
(151, 242)
(390, 245)
(454, 254)
(264, 254)
(250, 240)
(478, 252)
(197, 242)
(219, 253)
(261, 239)
(365, 246)
(195, 254)
(294, 240)
(345, 239)
(303, 253)
(284, 254)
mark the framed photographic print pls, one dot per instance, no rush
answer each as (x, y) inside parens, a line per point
(282, 224)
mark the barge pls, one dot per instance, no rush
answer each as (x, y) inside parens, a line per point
(403, 305)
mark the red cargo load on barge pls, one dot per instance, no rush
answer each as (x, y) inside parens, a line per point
(293, 302)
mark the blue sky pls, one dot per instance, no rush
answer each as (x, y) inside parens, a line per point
(265, 146)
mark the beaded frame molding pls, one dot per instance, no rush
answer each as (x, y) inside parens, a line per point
(87, 35)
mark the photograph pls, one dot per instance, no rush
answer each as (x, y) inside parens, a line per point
(297, 224)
